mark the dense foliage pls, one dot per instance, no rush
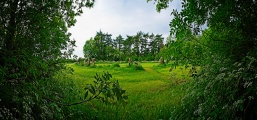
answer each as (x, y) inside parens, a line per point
(225, 86)
(142, 46)
(34, 37)
(33, 42)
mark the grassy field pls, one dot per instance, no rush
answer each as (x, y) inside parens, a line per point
(152, 92)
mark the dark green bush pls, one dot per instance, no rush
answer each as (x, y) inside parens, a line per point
(215, 93)
(92, 66)
(135, 67)
(160, 66)
(32, 100)
(138, 67)
(99, 66)
(116, 65)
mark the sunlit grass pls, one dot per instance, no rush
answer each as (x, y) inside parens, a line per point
(152, 92)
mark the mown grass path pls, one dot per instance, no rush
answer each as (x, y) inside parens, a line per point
(154, 72)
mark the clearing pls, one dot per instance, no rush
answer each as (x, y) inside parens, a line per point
(152, 92)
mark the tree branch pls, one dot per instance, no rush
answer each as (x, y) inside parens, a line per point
(76, 103)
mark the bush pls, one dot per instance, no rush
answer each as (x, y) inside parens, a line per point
(215, 93)
(32, 100)
(99, 66)
(136, 67)
(161, 65)
(92, 66)
(116, 65)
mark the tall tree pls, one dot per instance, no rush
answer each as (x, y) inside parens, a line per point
(136, 45)
(128, 46)
(156, 43)
(118, 44)
(89, 49)
(102, 46)
(143, 45)
(159, 42)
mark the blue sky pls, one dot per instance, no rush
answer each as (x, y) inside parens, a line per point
(125, 17)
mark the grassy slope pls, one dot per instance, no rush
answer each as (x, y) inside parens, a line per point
(152, 92)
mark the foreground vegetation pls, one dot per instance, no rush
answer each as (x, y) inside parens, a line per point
(225, 88)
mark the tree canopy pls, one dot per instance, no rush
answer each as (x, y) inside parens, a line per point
(142, 46)
(34, 35)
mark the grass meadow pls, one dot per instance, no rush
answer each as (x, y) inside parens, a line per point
(153, 92)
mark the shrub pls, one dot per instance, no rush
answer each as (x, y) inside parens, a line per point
(92, 66)
(162, 65)
(116, 65)
(99, 66)
(32, 100)
(135, 67)
(215, 93)
(138, 67)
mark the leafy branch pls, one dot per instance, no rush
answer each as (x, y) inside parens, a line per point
(103, 89)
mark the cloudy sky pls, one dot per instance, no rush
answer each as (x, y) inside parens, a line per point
(124, 17)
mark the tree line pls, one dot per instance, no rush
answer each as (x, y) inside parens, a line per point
(142, 46)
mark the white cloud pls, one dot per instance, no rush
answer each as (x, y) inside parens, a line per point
(125, 17)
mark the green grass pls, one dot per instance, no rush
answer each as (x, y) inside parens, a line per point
(152, 93)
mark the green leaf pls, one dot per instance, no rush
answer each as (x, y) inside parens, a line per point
(123, 91)
(92, 89)
(125, 97)
(87, 87)
(86, 94)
